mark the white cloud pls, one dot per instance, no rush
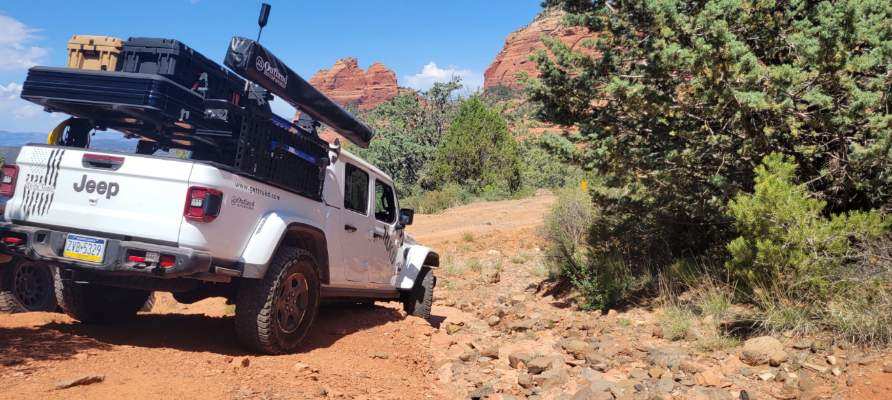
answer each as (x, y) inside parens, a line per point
(431, 73)
(18, 115)
(17, 51)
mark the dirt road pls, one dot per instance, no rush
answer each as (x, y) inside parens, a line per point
(499, 331)
(189, 351)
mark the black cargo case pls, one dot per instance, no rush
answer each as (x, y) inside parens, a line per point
(131, 102)
(182, 64)
(254, 62)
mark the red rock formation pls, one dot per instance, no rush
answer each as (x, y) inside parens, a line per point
(520, 45)
(347, 84)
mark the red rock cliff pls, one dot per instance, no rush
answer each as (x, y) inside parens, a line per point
(520, 45)
(346, 83)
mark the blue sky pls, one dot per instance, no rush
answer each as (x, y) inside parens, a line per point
(421, 40)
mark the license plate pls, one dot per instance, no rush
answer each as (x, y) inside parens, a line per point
(84, 248)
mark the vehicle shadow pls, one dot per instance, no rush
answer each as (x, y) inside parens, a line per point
(18, 345)
(201, 333)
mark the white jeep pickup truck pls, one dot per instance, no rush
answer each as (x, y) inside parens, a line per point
(119, 226)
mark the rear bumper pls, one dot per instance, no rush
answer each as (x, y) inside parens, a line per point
(47, 244)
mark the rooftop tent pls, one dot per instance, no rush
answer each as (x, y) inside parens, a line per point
(254, 62)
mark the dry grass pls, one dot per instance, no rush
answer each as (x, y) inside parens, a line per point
(676, 322)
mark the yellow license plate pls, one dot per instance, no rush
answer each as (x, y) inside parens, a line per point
(84, 248)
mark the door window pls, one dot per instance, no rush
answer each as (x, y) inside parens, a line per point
(385, 207)
(356, 189)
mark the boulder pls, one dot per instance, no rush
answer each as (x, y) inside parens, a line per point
(666, 357)
(576, 348)
(517, 358)
(759, 350)
(539, 364)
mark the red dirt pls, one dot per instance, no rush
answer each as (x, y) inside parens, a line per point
(871, 383)
(190, 351)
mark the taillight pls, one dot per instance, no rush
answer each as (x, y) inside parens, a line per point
(13, 240)
(146, 259)
(167, 261)
(203, 204)
(7, 181)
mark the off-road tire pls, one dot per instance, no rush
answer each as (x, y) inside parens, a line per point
(420, 299)
(95, 304)
(41, 294)
(257, 317)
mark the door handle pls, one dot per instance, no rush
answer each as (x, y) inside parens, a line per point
(349, 228)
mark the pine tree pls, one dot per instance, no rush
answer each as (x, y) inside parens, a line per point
(684, 98)
(478, 152)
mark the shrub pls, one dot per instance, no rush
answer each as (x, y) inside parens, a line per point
(601, 280)
(502, 93)
(548, 163)
(477, 151)
(807, 271)
(434, 201)
(786, 244)
(676, 322)
(566, 228)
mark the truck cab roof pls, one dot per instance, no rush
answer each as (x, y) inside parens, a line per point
(355, 160)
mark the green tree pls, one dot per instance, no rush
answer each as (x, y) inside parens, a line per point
(477, 151)
(684, 98)
(786, 242)
(408, 130)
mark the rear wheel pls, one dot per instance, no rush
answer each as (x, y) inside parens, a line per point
(91, 303)
(26, 286)
(420, 299)
(274, 314)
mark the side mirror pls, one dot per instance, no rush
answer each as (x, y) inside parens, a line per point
(407, 215)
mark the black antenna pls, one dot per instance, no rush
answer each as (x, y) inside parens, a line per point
(264, 17)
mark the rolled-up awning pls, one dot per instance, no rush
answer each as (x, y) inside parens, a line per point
(255, 63)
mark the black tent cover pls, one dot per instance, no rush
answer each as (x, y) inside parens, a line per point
(257, 64)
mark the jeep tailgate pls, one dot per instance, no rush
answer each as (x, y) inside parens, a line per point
(140, 197)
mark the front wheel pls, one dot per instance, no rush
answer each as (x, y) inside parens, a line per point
(274, 314)
(26, 286)
(420, 299)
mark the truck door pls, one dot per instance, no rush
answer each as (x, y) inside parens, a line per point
(386, 239)
(357, 227)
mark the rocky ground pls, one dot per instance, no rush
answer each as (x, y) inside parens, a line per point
(499, 331)
(508, 333)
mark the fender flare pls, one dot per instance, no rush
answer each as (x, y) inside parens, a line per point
(276, 229)
(415, 258)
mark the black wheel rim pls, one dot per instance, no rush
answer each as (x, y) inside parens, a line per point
(32, 284)
(292, 302)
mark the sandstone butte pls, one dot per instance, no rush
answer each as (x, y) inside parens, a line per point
(347, 84)
(520, 45)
